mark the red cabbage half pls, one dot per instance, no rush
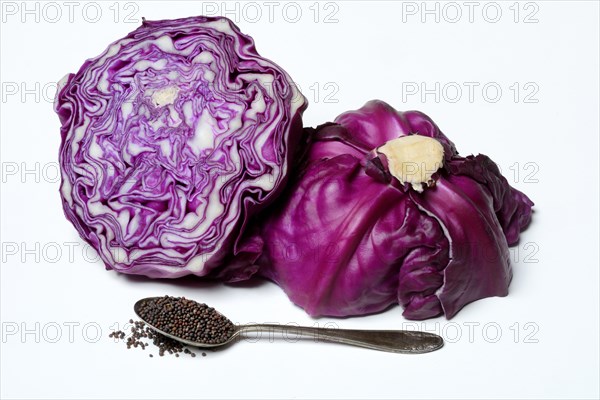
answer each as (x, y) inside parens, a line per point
(350, 237)
(171, 140)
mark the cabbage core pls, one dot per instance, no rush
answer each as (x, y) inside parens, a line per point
(414, 159)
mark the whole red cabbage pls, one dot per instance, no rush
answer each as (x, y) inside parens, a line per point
(348, 238)
(171, 140)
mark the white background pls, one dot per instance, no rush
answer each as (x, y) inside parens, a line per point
(367, 50)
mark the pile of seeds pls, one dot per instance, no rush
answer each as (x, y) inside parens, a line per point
(187, 319)
(141, 334)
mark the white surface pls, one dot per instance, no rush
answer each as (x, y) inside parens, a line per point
(373, 51)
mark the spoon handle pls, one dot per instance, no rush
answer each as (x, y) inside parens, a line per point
(413, 342)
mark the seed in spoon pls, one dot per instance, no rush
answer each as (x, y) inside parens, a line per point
(186, 319)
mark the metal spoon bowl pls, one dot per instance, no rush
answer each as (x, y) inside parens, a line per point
(395, 341)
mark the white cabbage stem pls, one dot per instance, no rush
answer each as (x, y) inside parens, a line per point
(414, 159)
(165, 96)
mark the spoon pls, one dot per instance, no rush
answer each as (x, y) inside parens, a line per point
(395, 341)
